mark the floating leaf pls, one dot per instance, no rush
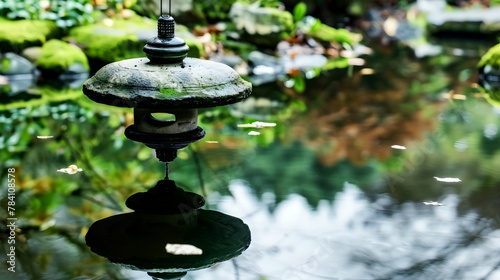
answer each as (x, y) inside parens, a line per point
(433, 203)
(448, 179)
(257, 125)
(366, 71)
(398, 147)
(183, 249)
(72, 169)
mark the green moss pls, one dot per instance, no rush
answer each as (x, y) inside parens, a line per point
(5, 89)
(262, 25)
(110, 43)
(239, 47)
(341, 62)
(169, 92)
(326, 33)
(4, 64)
(114, 40)
(20, 34)
(492, 96)
(45, 95)
(57, 56)
(284, 19)
(195, 48)
(492, 58)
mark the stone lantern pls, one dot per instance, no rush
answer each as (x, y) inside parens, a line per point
(167, 82)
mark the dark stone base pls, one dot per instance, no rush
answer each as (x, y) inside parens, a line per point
(127, 240)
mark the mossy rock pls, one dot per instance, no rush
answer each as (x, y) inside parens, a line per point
(119, 39)
(58, 57)
(32, 54)
(325, 33)
(42, 95)
(13, 64)
(20, 34)
(492, 58)
(196, 49)
(262, 25)
(491, 93)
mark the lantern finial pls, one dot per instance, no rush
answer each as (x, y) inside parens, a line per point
(166, 48)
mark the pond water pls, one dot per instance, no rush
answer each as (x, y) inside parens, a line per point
(385, 173)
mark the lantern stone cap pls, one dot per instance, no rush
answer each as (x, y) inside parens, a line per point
(193, 83)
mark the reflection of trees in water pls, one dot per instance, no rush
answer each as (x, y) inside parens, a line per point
(365, 237)
(467, 226)
(446, 247)
(294, 169)
(355, 121)
(280, 170)
(54, 209)
(362, 116)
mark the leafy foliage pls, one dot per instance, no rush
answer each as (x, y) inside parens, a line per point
(299, 11)
(65, 14)
(318, 30)
(215, 10)
(262, 3)
(492, 57)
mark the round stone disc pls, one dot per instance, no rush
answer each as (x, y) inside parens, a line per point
(193, 83)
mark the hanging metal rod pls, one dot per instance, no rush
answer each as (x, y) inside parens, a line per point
(169, 7)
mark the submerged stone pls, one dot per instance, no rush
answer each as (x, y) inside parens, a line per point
(194, 83)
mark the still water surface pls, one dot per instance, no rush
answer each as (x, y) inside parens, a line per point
(384, 175)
